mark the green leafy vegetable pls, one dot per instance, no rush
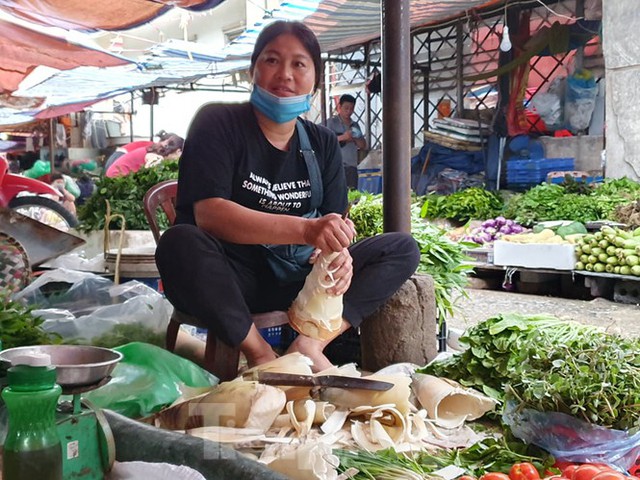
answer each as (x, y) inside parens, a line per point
(125, 196)
(464, 205)
(19, 327)
(489, 455)
(441, 258)
(549, 364)
(126, 333)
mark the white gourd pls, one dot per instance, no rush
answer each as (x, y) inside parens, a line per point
(315, 313)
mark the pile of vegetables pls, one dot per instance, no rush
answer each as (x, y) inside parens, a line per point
(489, 459)
(549, 201)
(441, 258)
(19, 327)
(464, 205)
(551, 365)
(493, 229)
(610, 250)
(125, 196)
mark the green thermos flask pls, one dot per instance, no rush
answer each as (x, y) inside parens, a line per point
(32, 449)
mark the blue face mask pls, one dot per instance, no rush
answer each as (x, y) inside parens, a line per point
(279, 109)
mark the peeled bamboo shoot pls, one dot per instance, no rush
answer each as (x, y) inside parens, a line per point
(315, 313)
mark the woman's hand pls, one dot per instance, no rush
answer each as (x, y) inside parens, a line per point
(330, 233)
(341, 269)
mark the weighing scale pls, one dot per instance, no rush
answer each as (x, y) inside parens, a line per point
(88, 446)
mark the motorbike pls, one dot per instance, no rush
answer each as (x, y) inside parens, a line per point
(33, 198)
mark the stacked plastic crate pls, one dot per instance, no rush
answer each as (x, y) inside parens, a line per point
(526, 173)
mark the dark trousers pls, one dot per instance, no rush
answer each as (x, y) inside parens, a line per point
(351, 174)
(203, 278)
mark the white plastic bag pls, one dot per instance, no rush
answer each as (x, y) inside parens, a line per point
(83, 306)
(157, 471)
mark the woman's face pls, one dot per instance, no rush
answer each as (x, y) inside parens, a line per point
(284, 67)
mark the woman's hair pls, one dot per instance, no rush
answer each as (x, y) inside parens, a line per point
(298, 30)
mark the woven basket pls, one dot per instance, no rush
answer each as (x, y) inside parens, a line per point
(15, 272)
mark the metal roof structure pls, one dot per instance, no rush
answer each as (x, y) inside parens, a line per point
(338, 24)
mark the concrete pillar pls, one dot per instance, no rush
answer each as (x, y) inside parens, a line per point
(621, 24)
(404, 329)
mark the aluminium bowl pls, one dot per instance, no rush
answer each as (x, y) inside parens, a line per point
(76, 365)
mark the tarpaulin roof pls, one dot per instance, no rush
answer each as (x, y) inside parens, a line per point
(73, 90)
(344, 23)
(89, 15)
(337, 23)
(23, 48)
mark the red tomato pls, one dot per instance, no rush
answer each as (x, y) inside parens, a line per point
(494, 476)
(556, 477)
(610, 475)
(603, 466)
(585, 472)
(568, 470)
(524, 471)
(466, 477)
(561, 465)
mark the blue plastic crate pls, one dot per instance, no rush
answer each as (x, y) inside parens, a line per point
(534, 172)
(370, 180)
(597, 179)
(273, 335)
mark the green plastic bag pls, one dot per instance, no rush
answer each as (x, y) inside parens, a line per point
(147, 379)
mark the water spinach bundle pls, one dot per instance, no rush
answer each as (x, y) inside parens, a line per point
(551, 365)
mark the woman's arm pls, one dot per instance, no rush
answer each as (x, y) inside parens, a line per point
(234, 223)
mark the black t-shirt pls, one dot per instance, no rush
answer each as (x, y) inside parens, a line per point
(226, 155)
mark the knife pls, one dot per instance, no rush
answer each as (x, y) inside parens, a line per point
(336, 381)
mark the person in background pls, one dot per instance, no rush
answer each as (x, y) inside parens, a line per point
(169, 149)
(350, 137)
(87, 186)
(124, 149)
(247, 190)
(66, 198)
(164, 135)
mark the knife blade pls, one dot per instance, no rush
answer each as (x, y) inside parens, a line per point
(336, 381)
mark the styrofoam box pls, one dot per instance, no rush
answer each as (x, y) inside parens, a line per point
(534, 255)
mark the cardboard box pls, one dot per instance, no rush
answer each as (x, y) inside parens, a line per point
(534, 255)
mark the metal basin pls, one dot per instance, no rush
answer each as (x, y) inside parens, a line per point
(76, 365)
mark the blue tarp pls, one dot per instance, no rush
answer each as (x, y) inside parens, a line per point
(439, 159)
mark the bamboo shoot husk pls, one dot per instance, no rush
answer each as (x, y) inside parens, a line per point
(302, 417)
(227, 434)
(294, 363)
(448, 403)
(315, 313)
(385, 428)
(311, 461)
(397, 395)
(236, 404)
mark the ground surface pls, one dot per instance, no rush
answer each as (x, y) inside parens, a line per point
(482, 304)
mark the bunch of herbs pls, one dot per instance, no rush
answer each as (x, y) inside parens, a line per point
(593, 377)
(125, 196)
(493, 348)
(491, 454)
(464, 205)
(548, 364)
(20, 327)
(441, 258)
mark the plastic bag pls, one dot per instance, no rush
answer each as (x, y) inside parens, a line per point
(157, 471)
(580, 101)
(549, 105)
(147, 379)
(86, 307)
(571, 439)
